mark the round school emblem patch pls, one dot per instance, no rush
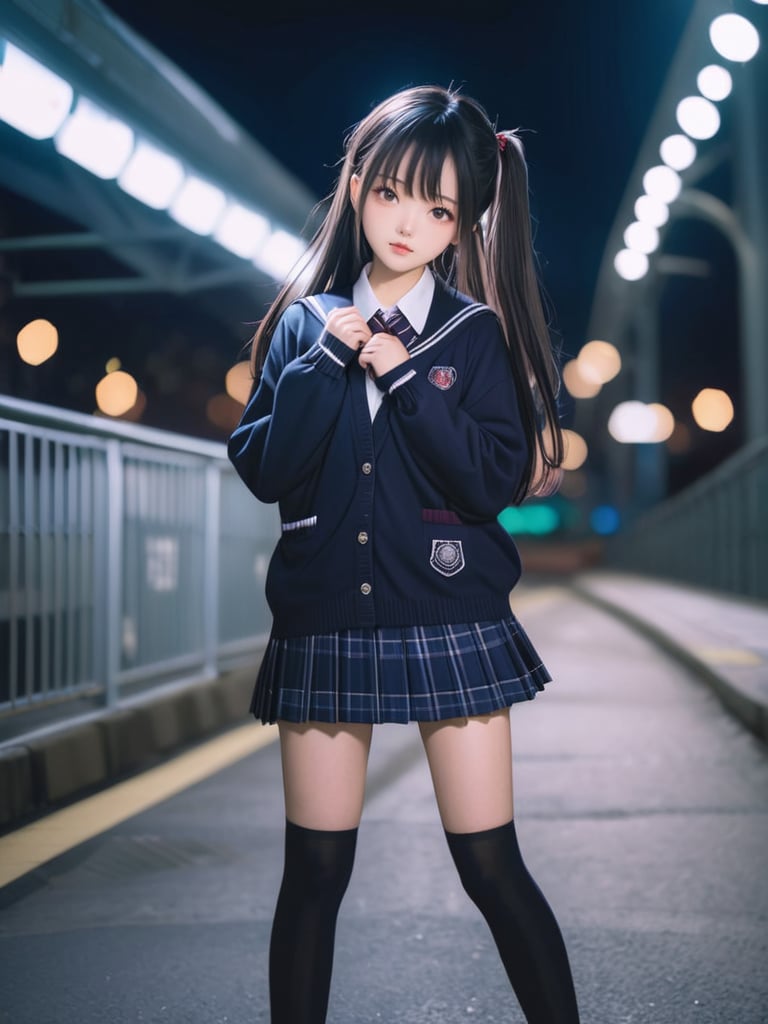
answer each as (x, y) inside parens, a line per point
(447, 557)
(442, 377)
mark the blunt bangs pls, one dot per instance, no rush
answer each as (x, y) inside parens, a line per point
(424, 145)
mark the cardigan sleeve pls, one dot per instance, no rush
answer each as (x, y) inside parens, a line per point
(475, 451)
(286, 426)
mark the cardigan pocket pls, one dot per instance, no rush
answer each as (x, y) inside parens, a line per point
(446, 552)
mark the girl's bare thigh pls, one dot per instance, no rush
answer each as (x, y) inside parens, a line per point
(470, 760)
(324, 770)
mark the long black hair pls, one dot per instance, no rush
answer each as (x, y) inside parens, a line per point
(493, 261)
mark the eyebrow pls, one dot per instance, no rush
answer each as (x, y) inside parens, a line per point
(399, 181)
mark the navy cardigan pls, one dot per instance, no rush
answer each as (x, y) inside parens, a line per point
(391, 522)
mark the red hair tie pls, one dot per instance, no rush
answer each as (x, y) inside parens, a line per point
(502, 140)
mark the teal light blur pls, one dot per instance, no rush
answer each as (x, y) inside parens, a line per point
(533, 519)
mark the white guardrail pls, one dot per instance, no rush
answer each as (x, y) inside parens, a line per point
(129, 557)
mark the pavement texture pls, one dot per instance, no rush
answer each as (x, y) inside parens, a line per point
(642, 811)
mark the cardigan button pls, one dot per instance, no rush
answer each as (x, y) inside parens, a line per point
(366, 468)
(362, 537)
(365, 588)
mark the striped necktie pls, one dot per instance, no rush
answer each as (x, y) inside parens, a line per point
(395, 323)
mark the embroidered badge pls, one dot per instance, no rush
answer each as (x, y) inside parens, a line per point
(442, 377)
(447, 557)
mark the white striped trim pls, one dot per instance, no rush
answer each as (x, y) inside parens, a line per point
(330, 354)
(448, 326)
(315, 306)
(401, 380)
(298, 524)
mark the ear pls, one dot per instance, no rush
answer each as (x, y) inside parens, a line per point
(354, 190)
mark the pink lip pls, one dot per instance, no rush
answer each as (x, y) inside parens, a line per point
(399, 247)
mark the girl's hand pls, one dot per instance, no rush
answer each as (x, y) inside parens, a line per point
(346, 323)
(383, 353)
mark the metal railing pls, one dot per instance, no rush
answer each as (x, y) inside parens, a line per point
(128, 557)
(714, 534)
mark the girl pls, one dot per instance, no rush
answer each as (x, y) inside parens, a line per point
(404, 386)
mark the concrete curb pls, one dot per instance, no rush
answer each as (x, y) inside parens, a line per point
(741, 700)
(42, 772)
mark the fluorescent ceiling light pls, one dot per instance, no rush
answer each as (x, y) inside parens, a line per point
(151, 176)
(94, 139)
(32, 99)
(279, 254)
(241, 230)
(198, 205)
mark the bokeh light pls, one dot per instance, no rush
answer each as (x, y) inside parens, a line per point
(714, 82)
(712, 409)
(640, 237)
(223, 412)
(734, 37)
(698, 117)
(605, 519)
(599, 360)
(239, 381)
(37, 341)
(632, 422)
(677, 152)
(651, 211)
(630, 264)
(575, 448)
(665, 422)
(579, 384)
(662, 183)
(116, 393)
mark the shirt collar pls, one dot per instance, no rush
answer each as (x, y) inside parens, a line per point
(414, 305)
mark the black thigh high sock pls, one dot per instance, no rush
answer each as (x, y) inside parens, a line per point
(523, 926)
(318, 866)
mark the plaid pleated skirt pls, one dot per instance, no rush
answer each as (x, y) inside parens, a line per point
(398, 674)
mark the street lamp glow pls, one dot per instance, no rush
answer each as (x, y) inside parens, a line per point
(734, 37)
(714, 82)
(632, 422)
(698, 117)
(198, 205)
(580, 382)
(649, 210)
(151, 176)
(37, 341)
(630, 264)
(599, 360)
(712, 409)
(641, 237)
(665, 422)
(241, 230)
(239, 381)
(95, 140)
(116, 393)
(662, 183)
(32, 99)
(677, 152)
(575, 450)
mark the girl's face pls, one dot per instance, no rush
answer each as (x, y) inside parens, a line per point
(405, 232)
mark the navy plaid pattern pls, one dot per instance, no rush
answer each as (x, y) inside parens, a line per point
(398, 674)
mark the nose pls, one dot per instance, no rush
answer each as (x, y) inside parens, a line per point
(405, 221)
